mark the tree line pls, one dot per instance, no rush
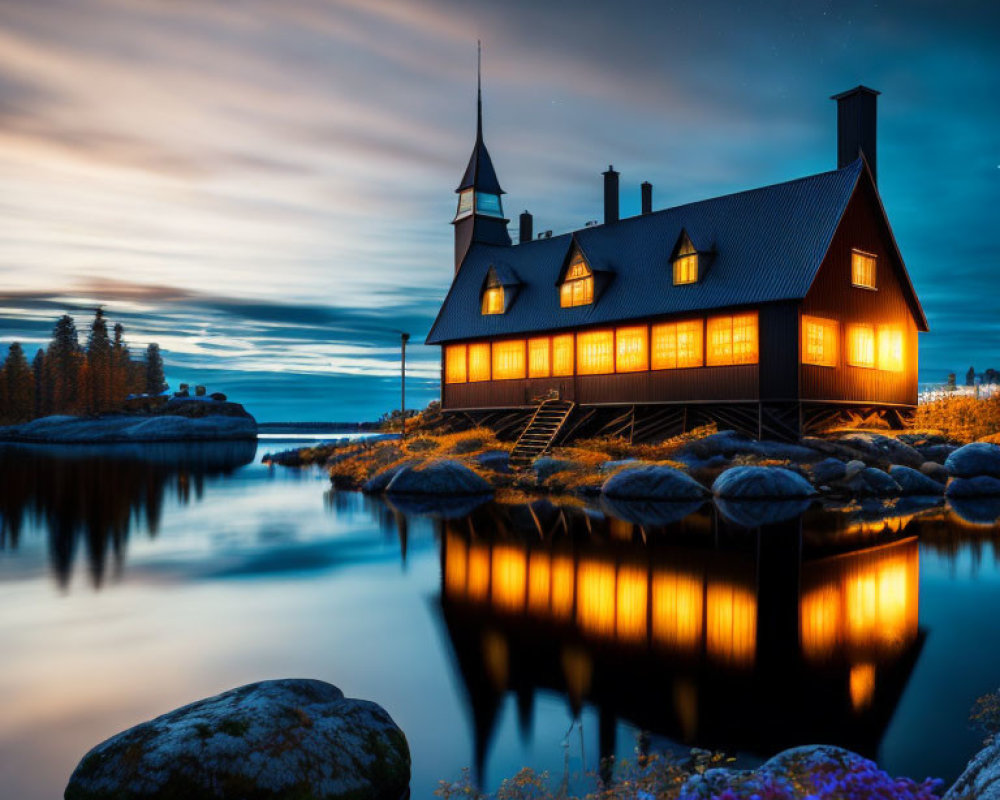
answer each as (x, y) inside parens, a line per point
(67, 378)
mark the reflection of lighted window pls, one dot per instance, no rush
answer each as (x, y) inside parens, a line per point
(677, 609)
(633, 587)
(562, 355)
(595, 597)
(732, 340)
(454, 363)
(493, 300)
(819, 341)
(479, 361)
(455, 567)
(631, 354)
(595, 352)
(538, 358)
(731, 623)
(478, 585)
(562, 586)
(890, 348)
(508, 360)
(578, 286)
(509, 578)
(861, 346)
(677, 344)
(862, 685)
(539, 579)
(686, 264)
(863, 269)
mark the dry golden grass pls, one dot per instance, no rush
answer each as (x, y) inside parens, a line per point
(964, 418)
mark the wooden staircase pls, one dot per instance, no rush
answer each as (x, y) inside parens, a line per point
(541, 432)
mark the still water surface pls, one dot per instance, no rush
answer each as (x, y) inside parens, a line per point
(136, 579)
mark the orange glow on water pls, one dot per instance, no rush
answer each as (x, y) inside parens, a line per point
(862, 685)
(731, 623)
(539, 583)
(455, 566)
(509, 578)
(479, 572)
(677, 609)
(866, 602)
(562, 587)
(595, 601)
(633, 590)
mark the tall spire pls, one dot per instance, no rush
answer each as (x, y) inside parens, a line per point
(480, 173)
(479, 90)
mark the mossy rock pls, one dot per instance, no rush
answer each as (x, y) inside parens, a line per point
(298, 739)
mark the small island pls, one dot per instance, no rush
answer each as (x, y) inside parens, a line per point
(70, 394)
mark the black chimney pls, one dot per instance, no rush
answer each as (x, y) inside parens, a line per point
(610, 195)
(527, 228)
(856, 117)
(647, 197)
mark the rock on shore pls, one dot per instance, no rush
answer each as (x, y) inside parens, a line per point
(273, 739)
(653, 482)
(443, 476)
(761, 483)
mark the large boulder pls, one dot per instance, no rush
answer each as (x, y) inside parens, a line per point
(274, 739)
(494, 461)
(653, 482)
(729, 444)
(978, 458)
(935, 471)
(913, 481)
(442, 477)
(872, 482)
(828, 471)
(761, 483)
(880, 449)
(981, 779)
(380, 481)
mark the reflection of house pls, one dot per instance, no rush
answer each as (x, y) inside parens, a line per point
(755, 645)
(773, 309)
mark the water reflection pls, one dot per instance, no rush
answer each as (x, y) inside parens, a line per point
(707, 633)
(93, 496)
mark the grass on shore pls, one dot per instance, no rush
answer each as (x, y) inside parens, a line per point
(963, 418)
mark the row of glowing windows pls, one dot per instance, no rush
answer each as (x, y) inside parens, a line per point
(719, 341)
(871, 346)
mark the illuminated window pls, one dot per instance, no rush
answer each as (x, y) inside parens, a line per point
(493, 300)
(454, 363)
(578, 286)
(595, 352)
(863, 269)
(538, 358)
(464, 204)
(678, 344)
(732, 340)
(562, 355)
(819, 341)
(479, 362)
(890, 348)
(861, 346)
(686, 263)
(631, 351)
(509, 360)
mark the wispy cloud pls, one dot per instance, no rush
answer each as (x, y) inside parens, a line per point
(264, 183)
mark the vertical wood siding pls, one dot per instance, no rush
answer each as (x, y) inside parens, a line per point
(833, 296)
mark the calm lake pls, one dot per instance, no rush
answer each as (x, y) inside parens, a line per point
(137, 579)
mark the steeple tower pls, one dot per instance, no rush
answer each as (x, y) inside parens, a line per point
(479, 217)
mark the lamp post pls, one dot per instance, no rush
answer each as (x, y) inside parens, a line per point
(404, 338)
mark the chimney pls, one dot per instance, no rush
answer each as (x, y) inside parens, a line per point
(527, 228)
(647, 197)
(610, 195)
(856, 119)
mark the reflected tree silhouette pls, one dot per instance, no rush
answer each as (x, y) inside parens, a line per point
(93, 496)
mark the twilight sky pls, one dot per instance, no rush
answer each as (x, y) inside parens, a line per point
(264, 188)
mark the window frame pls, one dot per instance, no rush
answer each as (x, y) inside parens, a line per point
(851, 331)
(826, 323)
(684, 255)
(873, 287)
(572, 284)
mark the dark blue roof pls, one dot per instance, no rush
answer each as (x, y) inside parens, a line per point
(767, 245)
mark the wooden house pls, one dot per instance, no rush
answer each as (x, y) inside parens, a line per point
(778, 310)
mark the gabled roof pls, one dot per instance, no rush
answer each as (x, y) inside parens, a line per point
(768, 245)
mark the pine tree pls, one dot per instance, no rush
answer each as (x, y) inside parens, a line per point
(121, 361)
(99, 365)
(63, 362)
(155, 380)
(19, 386)
(42, 400)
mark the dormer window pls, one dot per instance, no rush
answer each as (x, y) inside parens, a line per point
(493, 300)
(685, 262)
(578, 286)
(863, 269)
(499, 289)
